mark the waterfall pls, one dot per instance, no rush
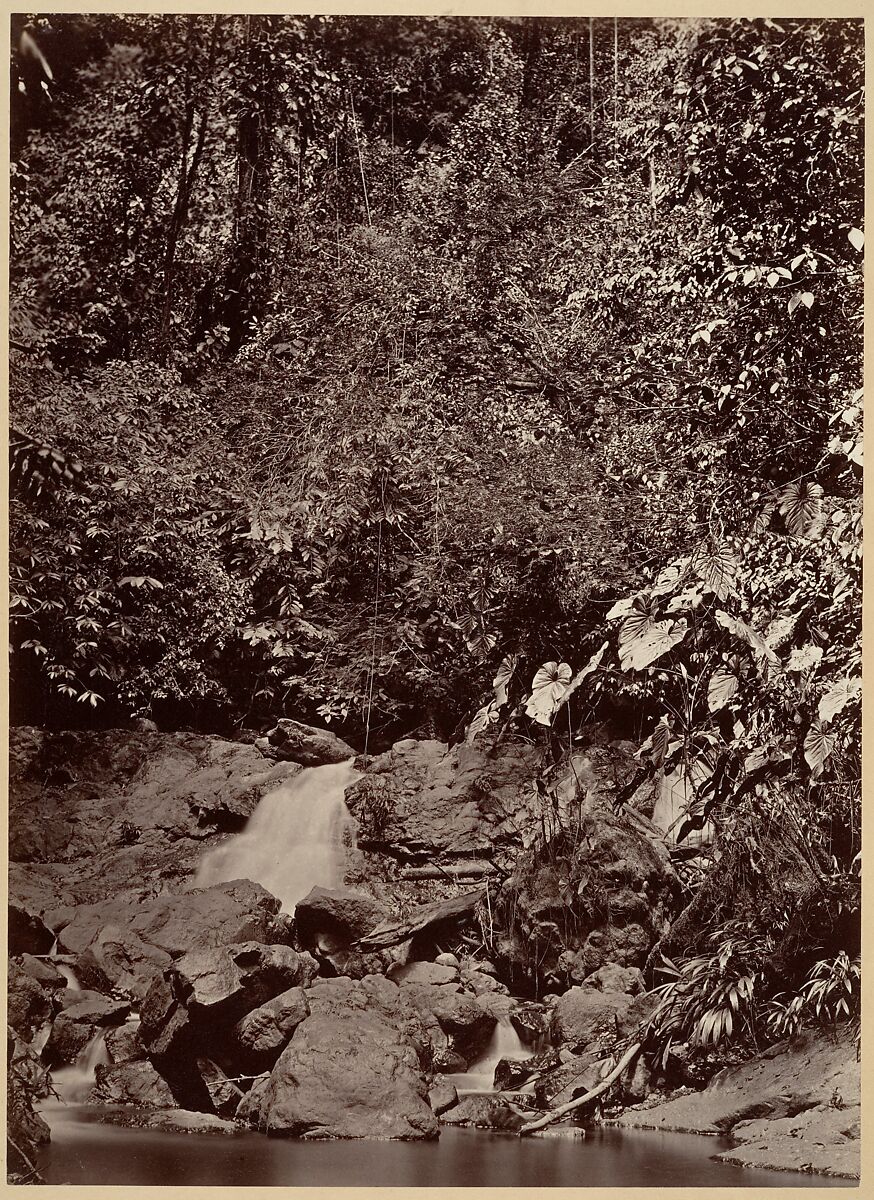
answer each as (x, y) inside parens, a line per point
(70, 975)
(480, 1077)
(293, 841)
(75, 1082)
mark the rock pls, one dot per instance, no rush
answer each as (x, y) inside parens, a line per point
(66, 1041)
(239, 911)
(432, 917)
(442, 1095)
(338, 915)
(226, 982)
(484, 1112)
(119, 959)
(348, 1075)
(532, 1021)
(512, 1073)
(630, 1021)
(29, 1005)
(224, 1094)
(27, 932)
(46, 975)
(575, 1076)
(423, 972)
(90, 1008)
(635, 1083)
(447, 960)
(265, 1032)
(794, 1106)
(461, 1017)
(123, 1044)
(613, 978)
(480, 983)
(304, 744)
(582, 1014)
(135, 1082)
(178, 1120)
(424, 803)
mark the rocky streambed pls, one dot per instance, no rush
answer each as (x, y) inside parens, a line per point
(360, 1015)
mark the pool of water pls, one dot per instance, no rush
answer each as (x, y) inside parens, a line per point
(84, 1151)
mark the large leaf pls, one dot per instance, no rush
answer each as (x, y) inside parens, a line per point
(669, 578)
(818, 746)
(484, 717)
(743, 631)
(723, 685)
(503, 676)
(804, 658)
(621, 608)
(780, 630)
(716, 566)
(801, 505)
(637, 623)
(549, 685)
(592, 665)
(836, 699)
(654, 641)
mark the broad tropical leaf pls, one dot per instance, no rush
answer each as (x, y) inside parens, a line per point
(743, 631)
(548, 686)
(669, 578)
(716, 566)
(801, 505)
(502, 679)
(483, 718)
(804, 658)
(836, 699)
(818, 746)
(637, 623)
(622, 608)
(723, 685)
(655, 640)
(592, 665)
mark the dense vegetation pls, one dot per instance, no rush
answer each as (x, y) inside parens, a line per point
(358, 362)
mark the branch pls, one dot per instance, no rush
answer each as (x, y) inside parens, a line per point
(630, 1054)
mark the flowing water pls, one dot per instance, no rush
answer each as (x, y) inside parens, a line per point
(480, 1077)
(73, 1083)
(294, 840)
(85, 1152)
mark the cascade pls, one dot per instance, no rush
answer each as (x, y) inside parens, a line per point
(480, 1077)
(73, 1083)
(293, 841)
(70, 975)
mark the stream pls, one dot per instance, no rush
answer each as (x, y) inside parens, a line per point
(84, 1151)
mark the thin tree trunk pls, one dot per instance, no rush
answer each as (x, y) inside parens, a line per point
(630, 1054)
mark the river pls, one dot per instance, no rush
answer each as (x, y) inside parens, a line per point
(84, 1151)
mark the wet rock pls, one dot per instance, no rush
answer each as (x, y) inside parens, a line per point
(29, 1004)
(513, 1073)
(66, 1042)
(442, 1095)
(76, 1024)
(224, 983)
(462, 1018)
(583, 1014)
(178, 1120)
(118, 958)
(332, 998)
(350, 1074)
(304, 744)
(630, 1022)
(265, 1032)
(135, 1082)
(90, 1008)
(531, 1021)
(484, 1112)
(123, 1043)
(46, 975)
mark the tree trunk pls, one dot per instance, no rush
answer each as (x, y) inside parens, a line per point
(630, 1054)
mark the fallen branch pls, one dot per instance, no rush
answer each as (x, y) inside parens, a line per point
(630, 1054)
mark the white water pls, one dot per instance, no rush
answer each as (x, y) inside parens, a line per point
(70, 975)
(75, 1082)
(293, 841)
(480, 1077)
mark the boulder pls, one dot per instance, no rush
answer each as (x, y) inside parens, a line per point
(513, 1073)
(28, 934)
(350, 1074)
(66, 1041)
(238, 911)
(442, 1095)
(304, 744)
(462, 1018)
(29, 1004)
(75, 1025)
(90, 1008)
(40, 969)
(484, 1112)
(447, 960)
(583, 1014)
(223, 1092)
(265, 1032)
(342, 916)
(227, 982)
(578, 1074)
(639, 1011)
(479, 983)
(119, 959)
(135, 1082)
(613, 978)
(531, 1021)
(433, 918)
(423, 972)
(123, 1043)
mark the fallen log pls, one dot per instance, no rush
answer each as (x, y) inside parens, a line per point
(392, 933)
(630, 1054)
